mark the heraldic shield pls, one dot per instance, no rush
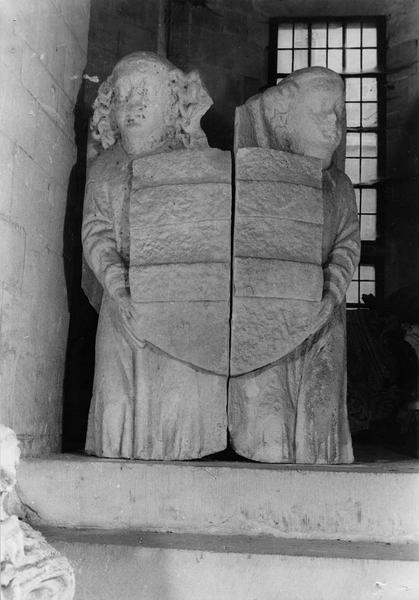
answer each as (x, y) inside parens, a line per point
(277, 255)
(180, 254)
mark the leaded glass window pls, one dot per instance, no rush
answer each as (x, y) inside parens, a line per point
(354, 48)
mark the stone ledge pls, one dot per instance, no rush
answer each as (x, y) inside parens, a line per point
(360, 502)
(237, 544)
(178, 567)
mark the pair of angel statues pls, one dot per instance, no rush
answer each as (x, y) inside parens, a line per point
(219, 315)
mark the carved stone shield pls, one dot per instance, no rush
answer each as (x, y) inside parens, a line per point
(180, 229)
(277, 253)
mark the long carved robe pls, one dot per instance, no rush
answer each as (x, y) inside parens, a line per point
(145, 404)
(294, 410)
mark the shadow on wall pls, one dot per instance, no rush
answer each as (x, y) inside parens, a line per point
(80, 354)
(402, 212)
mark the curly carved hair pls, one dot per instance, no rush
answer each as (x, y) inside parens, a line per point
(189, 101)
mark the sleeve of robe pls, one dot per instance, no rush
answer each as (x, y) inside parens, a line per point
(345, 253)
(98, 237)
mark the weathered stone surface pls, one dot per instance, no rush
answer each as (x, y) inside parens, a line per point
(200, 241)
(277, 254)
(180, 255)
(180, 281)
(181, 166)
(219, 497)
(156, 233)
(264, 278)
(42, 61)
(288, 386)
(265, 164)
(180, 229)
(264, 328)
(261, 237)
(171, 203)
(170, 566)
(273, 199)
(39, 572)
(30, 568)
(196, 332)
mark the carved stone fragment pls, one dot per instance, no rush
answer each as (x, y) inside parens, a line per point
(278, 275)
(30, 569)
(180, 260)
(156, 234)
(296, 245)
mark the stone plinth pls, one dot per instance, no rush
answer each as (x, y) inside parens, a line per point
(186, 567)
(373, 502)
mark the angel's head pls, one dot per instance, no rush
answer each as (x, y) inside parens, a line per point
(305, 113)
(147, 103)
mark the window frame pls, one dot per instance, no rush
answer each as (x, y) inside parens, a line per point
(372, 252)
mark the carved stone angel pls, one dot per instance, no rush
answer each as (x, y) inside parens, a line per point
(150, 400)
(296, 218)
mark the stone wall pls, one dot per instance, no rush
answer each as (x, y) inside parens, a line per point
(227, 41)
(117, 28)
(402, 210)
(42, 56)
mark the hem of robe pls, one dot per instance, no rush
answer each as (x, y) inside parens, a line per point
(157, 456)
(346, 457)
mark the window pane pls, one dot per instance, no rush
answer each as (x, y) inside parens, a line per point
(369, 114)
(367, 272)
(369, 88)
(369, 201)
(300, 59)
(368, 227)
(335, 36)
(353, 141)
(285, 36)
(368, 169)
(352, 292)
(367, 287)
(318, 58)
(284, 61)
(369, 144)
(353, 88)
(318, 35)
(335, 60)
(300, 35)
(352, 169)
(353, 61)
(353, 114)
(278, 79)
(369, 60)
(369, 35)
(353, 35)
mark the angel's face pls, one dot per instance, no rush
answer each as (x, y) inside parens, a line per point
(315, 122)
(140, 108)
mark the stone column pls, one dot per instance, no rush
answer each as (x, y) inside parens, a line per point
(43, 53)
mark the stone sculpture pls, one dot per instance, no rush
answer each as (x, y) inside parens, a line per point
(156, 235)
(30, 569)
(296, 246)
